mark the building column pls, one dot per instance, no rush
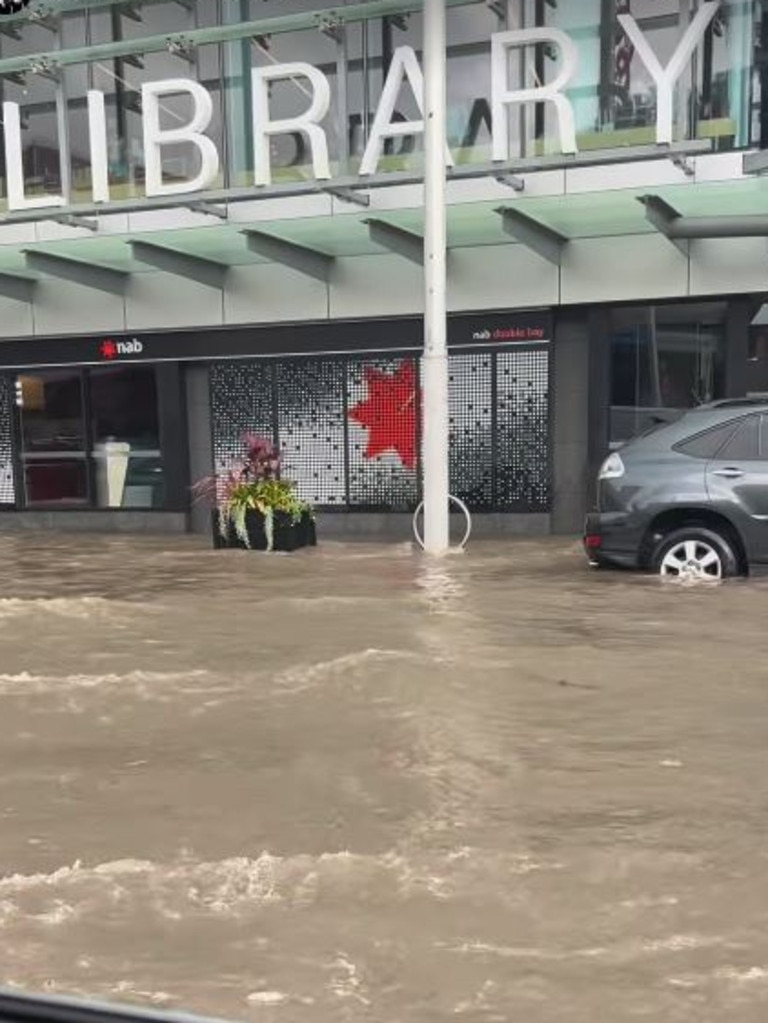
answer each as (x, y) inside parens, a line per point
(571, 422)
(737, 322)
(201, 464)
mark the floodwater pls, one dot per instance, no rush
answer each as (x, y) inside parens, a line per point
(354, 785)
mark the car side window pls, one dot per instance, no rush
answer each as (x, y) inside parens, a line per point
(707, 445)
(744, 445)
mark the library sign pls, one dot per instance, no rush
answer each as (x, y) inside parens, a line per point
(404, 71)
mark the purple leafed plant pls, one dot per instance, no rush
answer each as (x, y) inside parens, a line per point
(260, 462)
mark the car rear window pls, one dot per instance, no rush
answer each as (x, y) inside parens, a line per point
(744, 445)
(708, 444)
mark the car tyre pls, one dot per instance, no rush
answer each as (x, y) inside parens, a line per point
(695, 552)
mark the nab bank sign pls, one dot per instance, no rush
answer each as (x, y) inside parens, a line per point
(404, 71)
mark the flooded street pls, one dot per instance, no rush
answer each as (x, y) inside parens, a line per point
(352, 785)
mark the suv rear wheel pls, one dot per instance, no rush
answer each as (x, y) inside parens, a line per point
(693, 553)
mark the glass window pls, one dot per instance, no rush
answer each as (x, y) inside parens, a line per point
(744, 446)
(664, 359)
(126, 437)
(91, 438)
(757, 366)
(614, 95)
(53, 443)
(706, 445)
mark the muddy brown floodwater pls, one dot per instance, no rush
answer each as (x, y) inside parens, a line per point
(351, 785)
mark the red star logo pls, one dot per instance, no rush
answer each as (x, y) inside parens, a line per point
(389, 412)
(108, 350)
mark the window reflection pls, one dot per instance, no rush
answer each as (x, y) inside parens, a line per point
(52, 414)
(53, 438)
(126, 437)
(718, 97)
(91, 438)
(663, 360)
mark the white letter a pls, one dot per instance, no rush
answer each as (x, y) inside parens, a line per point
(405, 65)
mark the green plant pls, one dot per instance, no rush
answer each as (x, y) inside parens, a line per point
(265, 496)
(252, 485)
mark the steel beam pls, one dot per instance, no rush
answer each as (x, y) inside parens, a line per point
(403, 243)
(77, 271)
(308, 261)
(350, 195)
(538, 237)
(664, 218)
(18, 286)
(676, 227)
(210, 272)
(393, 179)
(222, 33)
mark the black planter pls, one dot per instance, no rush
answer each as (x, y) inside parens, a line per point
(288, 535)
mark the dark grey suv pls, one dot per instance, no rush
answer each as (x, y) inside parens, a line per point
(688, 499)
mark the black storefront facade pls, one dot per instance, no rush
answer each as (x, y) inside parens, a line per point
(109, 432)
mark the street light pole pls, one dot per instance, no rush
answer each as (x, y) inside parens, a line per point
(435, 397)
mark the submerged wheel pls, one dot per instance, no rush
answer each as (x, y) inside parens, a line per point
(695, 553)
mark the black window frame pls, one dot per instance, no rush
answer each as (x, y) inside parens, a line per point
(173, 444)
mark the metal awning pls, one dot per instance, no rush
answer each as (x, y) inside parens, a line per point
(311, 245)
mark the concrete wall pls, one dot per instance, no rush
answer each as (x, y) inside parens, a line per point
(398, 527)
(93, 521)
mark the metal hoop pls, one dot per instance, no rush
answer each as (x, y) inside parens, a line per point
(461, 506)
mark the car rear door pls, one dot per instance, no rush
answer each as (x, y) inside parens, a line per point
(737, 483)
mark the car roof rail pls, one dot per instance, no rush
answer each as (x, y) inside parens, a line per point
(726, 403)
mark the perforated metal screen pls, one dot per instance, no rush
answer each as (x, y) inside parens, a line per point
(348, 427)
(7, 408)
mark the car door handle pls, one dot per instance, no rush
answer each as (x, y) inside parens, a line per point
(728, 474)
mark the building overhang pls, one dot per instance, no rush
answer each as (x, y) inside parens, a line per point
(205, 249)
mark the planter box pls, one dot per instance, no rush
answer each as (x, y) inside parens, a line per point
(288, 535)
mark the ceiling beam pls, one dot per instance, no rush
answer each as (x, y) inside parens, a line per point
(403, 243)
(308, 261)
(17, 286)
(545, 241)
(77, 271)
(678, 228)
(210, 272)
(664, 218)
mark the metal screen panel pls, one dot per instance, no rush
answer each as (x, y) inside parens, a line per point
(383, 412)
(241, 402)
(523, 463)
(311, 427)
(349, 426)
(470, 388)
(7, 410)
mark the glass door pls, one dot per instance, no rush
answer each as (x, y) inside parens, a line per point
(125, 430)
(53, 438)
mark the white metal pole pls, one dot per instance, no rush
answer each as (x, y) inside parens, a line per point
(435, 398)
